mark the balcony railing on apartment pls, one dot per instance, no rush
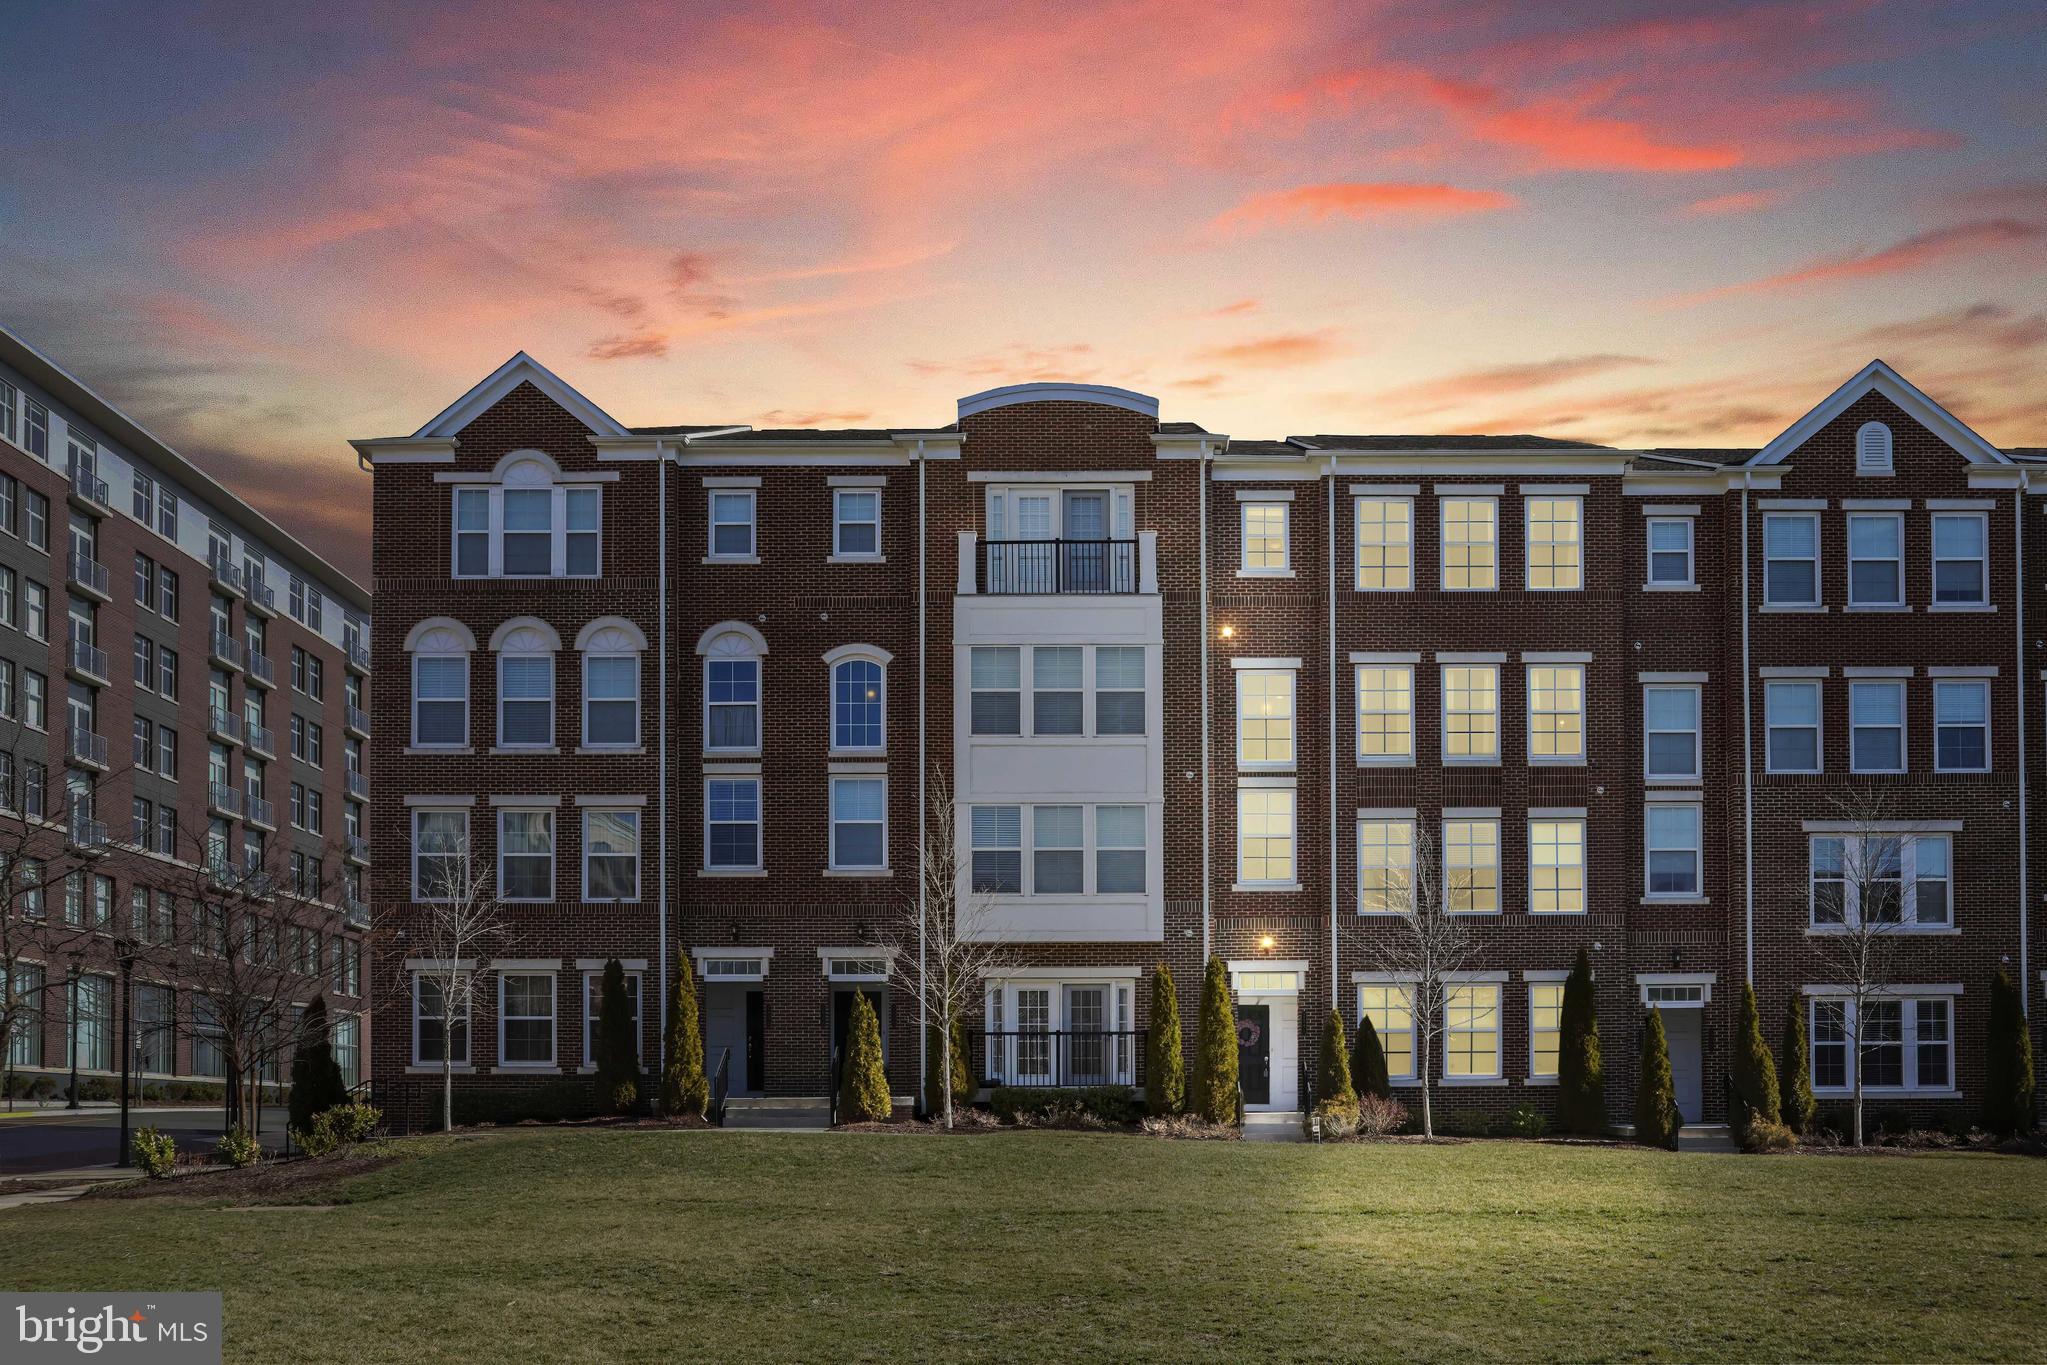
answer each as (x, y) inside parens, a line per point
(262, 600)
(223, 799)
(87, 662)
(262, 673)
(227, 575)
(261, 812)
(1059, 566)
(357, 721)
(223, 724)
(357, 655)
(87, 834)
(89, 491)
(83, 746)
(88, 575)
(225, 650)
(262, 739)
(358, 785)
(358, 849)
(354, 911)
(1027, 1057)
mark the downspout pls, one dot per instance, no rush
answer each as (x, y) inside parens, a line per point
(1748, 765)
(2018, 527)
(1335, 824)
(923, 678)
(1207, 801)
(661, 741)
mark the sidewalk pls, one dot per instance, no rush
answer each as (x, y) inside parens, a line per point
(56, 1187)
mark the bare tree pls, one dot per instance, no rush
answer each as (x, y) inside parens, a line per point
(960, 941)
(1858, 910)
(1422, 947)
(458, 923)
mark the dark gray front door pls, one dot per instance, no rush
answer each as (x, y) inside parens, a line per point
(1254, 1053)
(725, 1011)
(1684, 1031)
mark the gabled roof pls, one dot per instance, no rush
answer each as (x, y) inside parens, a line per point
(520, 369)
(1877, 377)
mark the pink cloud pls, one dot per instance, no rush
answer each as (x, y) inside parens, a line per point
(1729, 205)
(1354, 200)
(1280, 350)
(1961, 242)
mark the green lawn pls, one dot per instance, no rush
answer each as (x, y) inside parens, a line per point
(661, 1245)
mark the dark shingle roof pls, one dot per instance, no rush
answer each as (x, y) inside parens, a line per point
(1182, 429)
(1457, 443)
(1286, 449)
(685, 430)
(1715, 455)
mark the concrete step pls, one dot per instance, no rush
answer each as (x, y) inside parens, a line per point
(778, 1112)
(1272, 1126)
(1706, 1137)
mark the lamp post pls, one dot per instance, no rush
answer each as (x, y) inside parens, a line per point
(127, 1040)
(71, 1032)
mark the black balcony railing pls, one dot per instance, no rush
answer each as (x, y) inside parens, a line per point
(1059, 566)
(1027, 1057)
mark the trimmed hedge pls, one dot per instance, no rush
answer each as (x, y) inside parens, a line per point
(1213, 1096)
(2008, 1062)
(1795, 1102)
(1581, 1078)
(1108, 1103)
(1656, 1118)
(1165, 1068)
(1368, 1064)
(1755, 1070)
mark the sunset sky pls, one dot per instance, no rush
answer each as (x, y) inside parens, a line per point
(262, 236)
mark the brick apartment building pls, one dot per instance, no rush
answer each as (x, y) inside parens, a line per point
(687, 689)
(182, 772)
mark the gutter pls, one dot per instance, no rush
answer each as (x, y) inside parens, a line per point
(1330, 704)
(1748, 764)
(1207, 757)
(661, 743)
(2019, 670)
(923, 687)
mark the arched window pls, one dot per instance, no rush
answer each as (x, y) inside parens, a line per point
(859, 699)
(525, 648)
(440, 650)
(611, 649)
(732, 654)
(526, 523)
(1873, 448)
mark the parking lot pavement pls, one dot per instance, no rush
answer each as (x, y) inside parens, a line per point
(61, 1139)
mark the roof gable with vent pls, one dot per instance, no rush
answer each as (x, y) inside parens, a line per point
(1877, 377)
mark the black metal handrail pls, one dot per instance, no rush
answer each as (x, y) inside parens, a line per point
(1059, 566)
(1059, 1057)
(832, 1087)
(721, 1085)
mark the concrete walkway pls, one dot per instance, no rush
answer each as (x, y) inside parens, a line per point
(55, 1187)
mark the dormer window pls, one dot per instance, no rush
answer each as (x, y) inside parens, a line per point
(1873, 449)
(527, 524)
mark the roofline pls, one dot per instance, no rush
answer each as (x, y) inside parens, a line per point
(126, 431)
(1881, 378)
(1058, 392)
(495, 385)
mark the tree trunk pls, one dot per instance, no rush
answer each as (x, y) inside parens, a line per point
(447, 1088)
(945, 1086)
(1858, 1093)
(1428, 1117)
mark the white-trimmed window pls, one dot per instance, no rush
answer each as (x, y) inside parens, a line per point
(1390, 1007)
(859, 706)
(440, 652)
(1545, 1028)
(1119, 850)
(593, 1009)
(1554, 535)
(1056, 691)
(1961, 559)
(1385, 544)
(1876, 559)
(732, 694)
(1791, 559)
(1385, 867)
(1670, 731)
(995, 840)
(859, 823)
(611, 650)
(1876, 727)
(1556, 867)
(440, 852)
(526, 1018)
(732, 824)
(1058, 853)
(1556, 713)
(611, 854)
(526, 697)
(433, 1030)
(1873, 448)
(732, 524)
(526, 854)
(1792, 722)
(1265, 538)
(1265, 836)
(1670, 552)
(528, 526)
(1471, 544)
(1673, 831)
(1471, 713)
(1265, 718)
(856, 523)
(1385, 713)
(995, 690)
(1961, 726)
(1903, 879)
(1471, 1030)
(1906, 1044)
(1119, 690)
(1471, 866)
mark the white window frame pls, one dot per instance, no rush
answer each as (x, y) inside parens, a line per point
(494, 531)
(553, 853)
(588, 741)
(840, 521)
(639, 852)
(721, 652)
(461, 658)
(1362, 691)
(1443, 546)
(1394, 835)
(1698, 732)
(832, 700)
(1529, 677)
(1529, 542)
(1142, 847)
(1292, 837)
(466, 1061)
(505, 741)
(1583, 866)
(464, 853)
(1649, 578)
(711, 524)
(1815, 559)
(1387, 548)
(553, 1018)
(760, 820)
(1443, 674)
(1245, 510)
(1697, 849)
(1982, 562)
(1023, 872)
(1897, 561)
(1497, 890)
(1540, 997)
(834, 861)
(1399, 996)
(1853, 1044)
(1292, 719)
(1016, 654)
(1855, 687)
(1982, 687)
(1771, 726)
(1498, 1030)
(593, 1001)
(1909, 878)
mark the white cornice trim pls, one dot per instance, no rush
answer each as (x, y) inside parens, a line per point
(1010, 394)
(1877, 377)
(521, 368)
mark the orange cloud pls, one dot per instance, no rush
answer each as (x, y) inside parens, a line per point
(1015, 364)
(1236, 309)
(778, 417)
(1727, 205)
(1436, 394)
(1963, 241)
(1562, 133)
(1356, 200)
(1281, 350)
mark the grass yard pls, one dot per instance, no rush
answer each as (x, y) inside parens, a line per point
(596, 1246)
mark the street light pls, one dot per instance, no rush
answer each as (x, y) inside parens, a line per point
(71, 1033)
(128, 1039)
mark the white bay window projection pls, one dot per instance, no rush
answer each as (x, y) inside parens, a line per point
(1876, 559)
(1055, 690)
(1671, 749)
(1470, 550)
(1961, 559)
(1471, 713)
(1791, 559)
(1119, 850)
(995, 680)
(1556, 713)
(1672, 831)
(527, 525)
(732, 824)
(1903, 1043)
(1119, 690)
(1961, 726)
(1390, 1007)
(1265, 718)
(611, 854)
(1385, 544)
(1385, 713)
(1901, 879)
(440, 852)
(1057, 856)
(859, 823)
(1556, 866)
(1385, 866)
(1792, 720)
(1061, 701)
(1471, 865)
(1876, 727)
(526, 855)
(1554, 537)
(996, 843)
(1061, 853)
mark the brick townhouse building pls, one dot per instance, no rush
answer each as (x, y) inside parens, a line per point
(689, 690)
(183, 781)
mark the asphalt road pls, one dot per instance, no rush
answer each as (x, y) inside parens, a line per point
(60, 1139)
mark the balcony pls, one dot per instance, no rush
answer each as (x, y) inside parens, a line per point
(83, 746)
(88, 491)
(261, 812)
(223, 799)
(224, 725)
(354, 911)
(87, 663)
(87, 835)
(358, 785)
(358, 850)
(1051, 1059)
(226, 576)
(90, 577)
(1063, 568)
(225, 650)
(357, 722)
(261, 599)
(262, 673)
(356, 655)
(262, 740)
